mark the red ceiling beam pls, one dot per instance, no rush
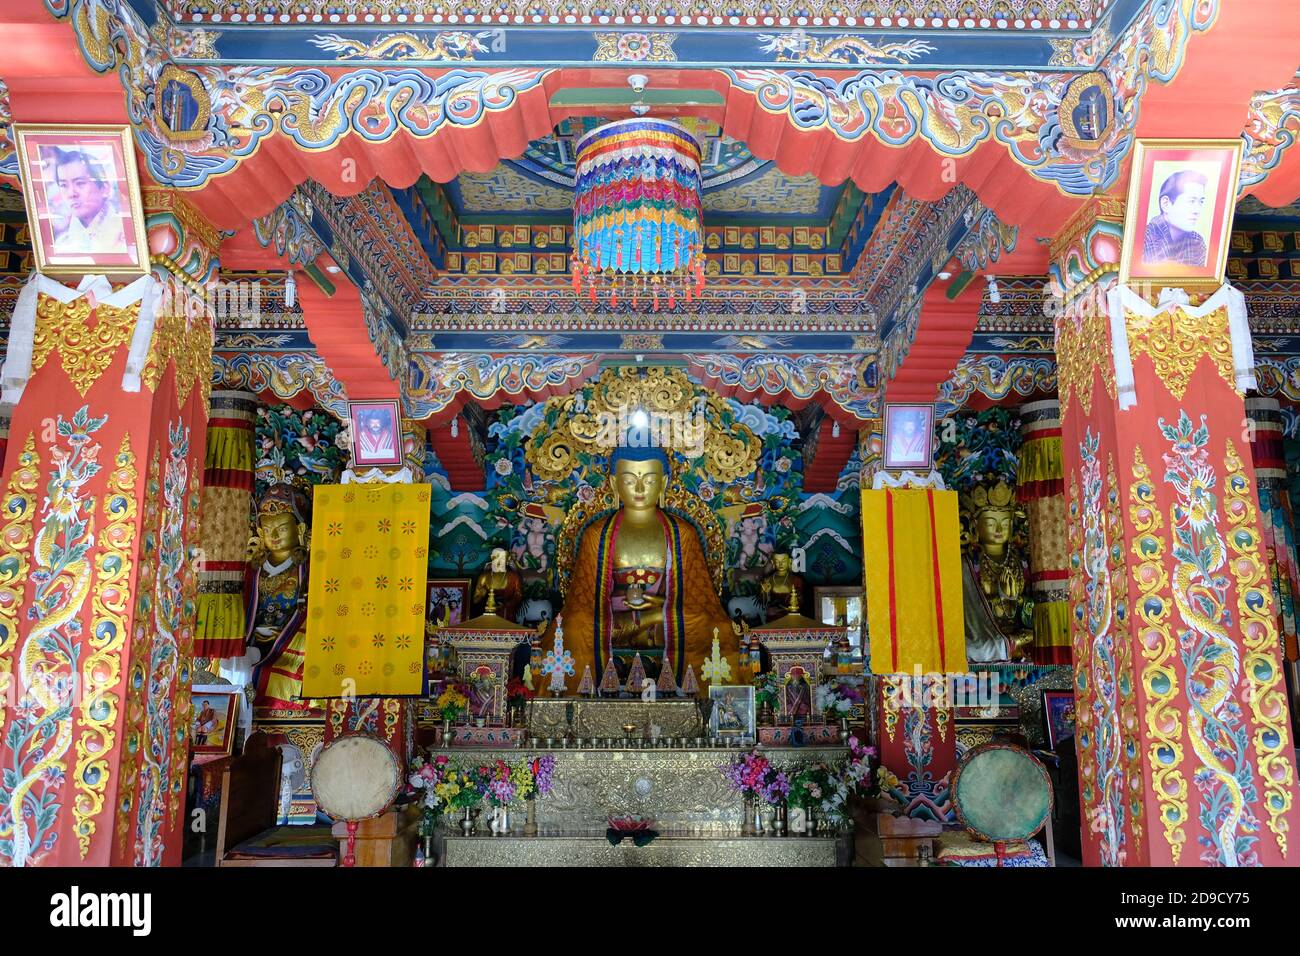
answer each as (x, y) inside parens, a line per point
(335, 324)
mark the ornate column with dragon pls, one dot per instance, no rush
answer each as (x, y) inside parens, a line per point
(1042, 492)
(1183, 737)
(97, 586)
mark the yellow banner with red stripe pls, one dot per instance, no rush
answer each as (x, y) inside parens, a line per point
(912, 565)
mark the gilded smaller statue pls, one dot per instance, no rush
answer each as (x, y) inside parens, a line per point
(500, 580)
(993, 577)
(779, 585)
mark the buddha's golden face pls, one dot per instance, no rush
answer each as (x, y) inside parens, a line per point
(782, 562)
(279, 533)
(638, 484)
(994, 527)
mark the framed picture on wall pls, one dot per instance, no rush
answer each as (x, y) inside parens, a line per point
(909, 437)
(83, 198)
(1181, 197)
(1058, 715)
(216, 716)
(376, 433)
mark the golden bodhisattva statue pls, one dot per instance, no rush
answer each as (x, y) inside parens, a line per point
(779, 584)
(994, 587)
(641, 583)
(277, 598)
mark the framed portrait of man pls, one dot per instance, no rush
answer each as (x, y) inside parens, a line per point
(83, 199)
(376, 433)
(909, 437)
(215, 718)
(1181, 198)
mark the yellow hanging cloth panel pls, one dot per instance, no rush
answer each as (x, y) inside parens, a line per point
(366, 591)
(912, 563)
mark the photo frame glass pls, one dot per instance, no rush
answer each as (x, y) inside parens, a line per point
(376, 433)
(215, 718)
(1179, 213)
(909, 437)
(82, 195)
(1058, 716)
(732, 711)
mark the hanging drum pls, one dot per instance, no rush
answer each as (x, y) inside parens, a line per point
(1002, 793)
(356, 777)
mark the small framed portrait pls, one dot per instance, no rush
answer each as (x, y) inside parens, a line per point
(1181, 197)
(732, 711)
(215, 718)
(376, 433)
(909, 437)
(1058, 715)
(448, 601)
(83, 199)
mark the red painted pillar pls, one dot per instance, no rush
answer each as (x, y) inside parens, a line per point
(1184, 746)
(99, 508)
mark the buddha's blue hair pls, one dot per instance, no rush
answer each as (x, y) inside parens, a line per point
(650, 453)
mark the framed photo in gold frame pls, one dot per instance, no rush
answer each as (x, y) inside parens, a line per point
(215, 718)
(82, 194)
(1181, 198)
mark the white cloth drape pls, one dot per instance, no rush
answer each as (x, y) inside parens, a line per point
(17, 368)
(1122, 299)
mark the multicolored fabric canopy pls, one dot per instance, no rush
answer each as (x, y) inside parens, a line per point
(637, 211)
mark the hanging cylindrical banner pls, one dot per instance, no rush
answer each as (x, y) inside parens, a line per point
(1275, 513)
(1043, 493)
(227, 524)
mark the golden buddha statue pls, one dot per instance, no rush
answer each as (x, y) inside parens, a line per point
(994, 586)
(277, 598)
(640, 581)
(779, 584)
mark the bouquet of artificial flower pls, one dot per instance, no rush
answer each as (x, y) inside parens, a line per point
(502, 783)
(754, 774)
(517, 692)
(462, 789)
(811, 784)
(767, 690)
(451, 703)
(541, 771)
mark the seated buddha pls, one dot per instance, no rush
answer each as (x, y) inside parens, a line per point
(640, 582)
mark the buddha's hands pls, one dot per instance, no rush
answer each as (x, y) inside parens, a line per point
(647, 622)
(643, 602)
(1012, 584)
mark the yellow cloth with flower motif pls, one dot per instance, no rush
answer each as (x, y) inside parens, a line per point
(366, 594)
